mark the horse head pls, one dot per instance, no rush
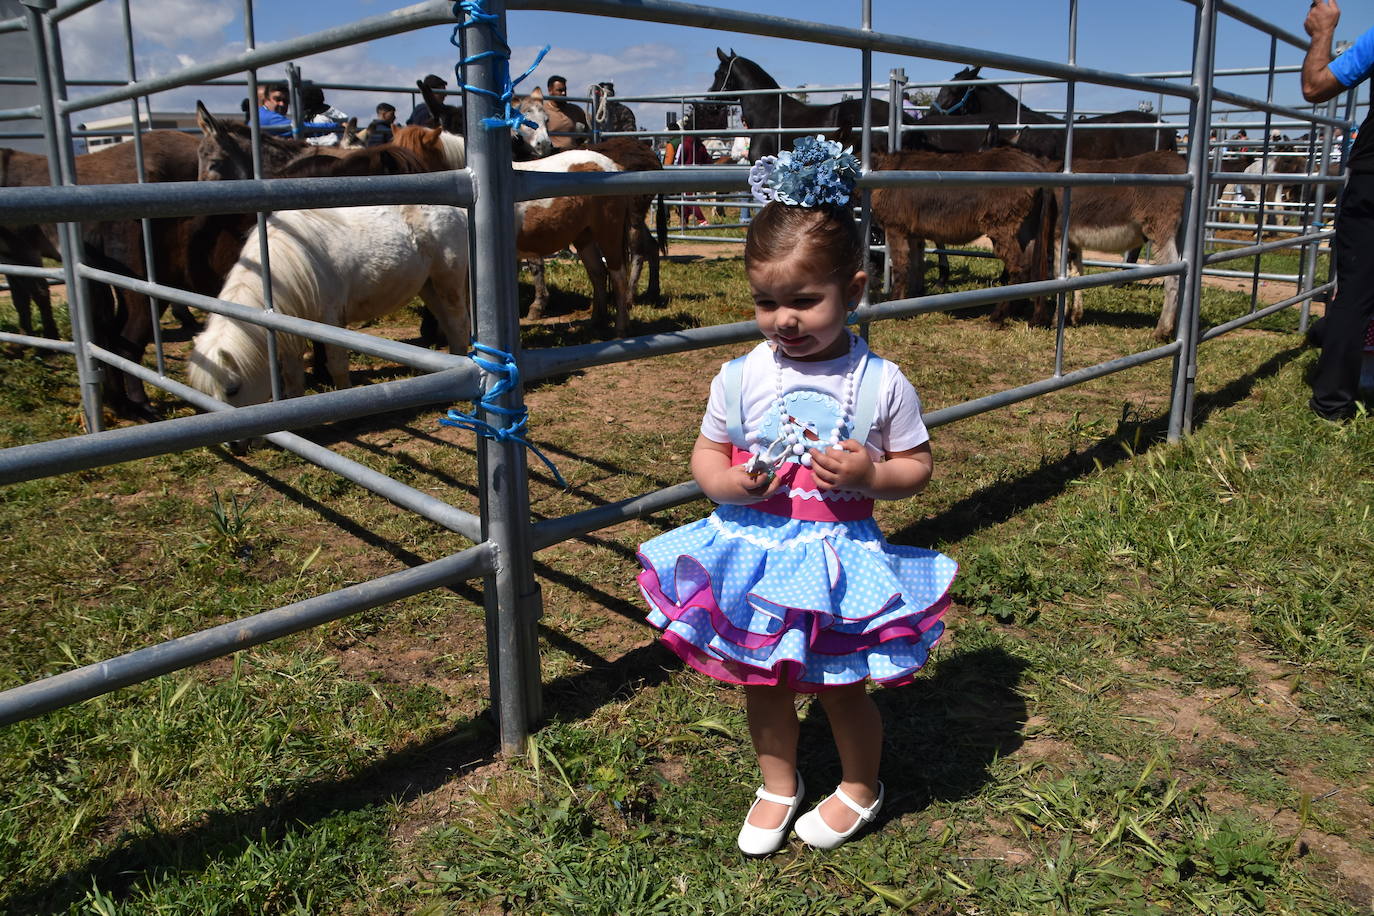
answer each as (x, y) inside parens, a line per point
(220, 156)
(213, 369)
(352, 138)
(449, 117)
(531, 142)
(960, 100)
(726, 80)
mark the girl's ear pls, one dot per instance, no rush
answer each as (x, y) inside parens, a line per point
(854, 292)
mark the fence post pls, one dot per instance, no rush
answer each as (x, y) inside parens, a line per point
(62, 171)
(510, 592)
(1316, 217)
(1195, 218)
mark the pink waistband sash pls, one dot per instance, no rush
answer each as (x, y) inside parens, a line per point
(790, 503)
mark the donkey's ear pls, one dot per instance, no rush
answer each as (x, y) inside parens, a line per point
(204, 119)
(974, 71)
(721, 55)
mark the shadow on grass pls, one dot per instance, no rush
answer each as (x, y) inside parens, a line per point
(1004, 500)
(398, 778)
(941, 733)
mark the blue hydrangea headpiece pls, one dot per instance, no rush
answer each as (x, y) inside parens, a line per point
(815, 172)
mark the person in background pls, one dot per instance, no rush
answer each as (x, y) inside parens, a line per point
(420, 115)
(1335, 384)
(272, 113)
(379, 131)
(321, 121)
(611, 115)
(565, 118)
(691, 151)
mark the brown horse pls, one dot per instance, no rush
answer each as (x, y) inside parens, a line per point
(632, 156)
(1018, 220)
(1121, 218)
(120, 319)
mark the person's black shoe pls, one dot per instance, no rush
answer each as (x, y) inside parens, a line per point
(1335, 416)
(1316, 333)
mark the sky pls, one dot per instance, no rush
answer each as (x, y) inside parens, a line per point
(647, 58)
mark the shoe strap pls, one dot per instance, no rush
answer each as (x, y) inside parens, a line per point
(865, 814)
(764, 794)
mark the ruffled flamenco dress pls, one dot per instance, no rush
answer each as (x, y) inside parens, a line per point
(800, 590)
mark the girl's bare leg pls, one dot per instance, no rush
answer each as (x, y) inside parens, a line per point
(858, 729)
(774, 728)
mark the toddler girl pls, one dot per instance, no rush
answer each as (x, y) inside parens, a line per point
(789, 586)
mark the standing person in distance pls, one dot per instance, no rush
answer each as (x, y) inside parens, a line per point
(789, 586)
(420, 115)
(1335, 384)
(379, 130)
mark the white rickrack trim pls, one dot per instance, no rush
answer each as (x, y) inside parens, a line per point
(810, 537)
(825, 496)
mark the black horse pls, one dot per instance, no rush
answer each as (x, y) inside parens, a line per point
(763, 112)
(990, 103)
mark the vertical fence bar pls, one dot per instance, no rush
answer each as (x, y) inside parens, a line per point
(61, 170)
(264, 256)
(145, 225)
(1195, 211)
(510, 592)
(866, 153)
(1317, 217)
(1261, 210)
(1062, 299)
(896, 85)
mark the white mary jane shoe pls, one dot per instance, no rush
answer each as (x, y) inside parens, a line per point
(760, 841)
(814, 831)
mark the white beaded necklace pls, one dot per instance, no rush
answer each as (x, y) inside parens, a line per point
(791, 438)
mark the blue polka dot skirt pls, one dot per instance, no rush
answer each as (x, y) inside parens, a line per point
(753, 598)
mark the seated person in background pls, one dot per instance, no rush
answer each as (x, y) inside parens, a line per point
(321, 121)
(564, 117)
(379, 131)
(421, 116)
(272, 112)
(610, 114)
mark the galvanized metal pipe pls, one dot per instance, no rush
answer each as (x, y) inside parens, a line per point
(406, 19)
(692, 14)
(1195, 214)
(359, 341)
(62, 456)
(510, 593)
(103, 677)
(93, 203)
(417, 501)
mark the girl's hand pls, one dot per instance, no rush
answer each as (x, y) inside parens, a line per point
(843, 467)
(724, 483)
(848, 467)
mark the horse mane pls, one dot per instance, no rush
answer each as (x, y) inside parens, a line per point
(374, 160)
(439, 149)
(757, 73)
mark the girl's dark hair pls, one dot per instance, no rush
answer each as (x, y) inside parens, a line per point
(829, 234)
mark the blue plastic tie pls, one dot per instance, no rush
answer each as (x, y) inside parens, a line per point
(509, 374)
(476, 15)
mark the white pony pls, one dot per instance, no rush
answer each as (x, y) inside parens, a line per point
(339, 267)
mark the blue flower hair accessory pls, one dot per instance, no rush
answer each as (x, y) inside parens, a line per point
(815, 172)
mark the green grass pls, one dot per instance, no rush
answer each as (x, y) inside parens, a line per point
(1155, 695)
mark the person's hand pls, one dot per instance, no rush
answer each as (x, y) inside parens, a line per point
(752, 488)
(1322, 17)
(842, 467)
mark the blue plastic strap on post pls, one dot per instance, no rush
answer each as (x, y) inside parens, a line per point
(476, 15)
(509, 374)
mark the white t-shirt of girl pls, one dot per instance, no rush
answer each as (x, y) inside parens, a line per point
(897, 424)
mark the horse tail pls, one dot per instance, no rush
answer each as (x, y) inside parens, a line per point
(661, 222)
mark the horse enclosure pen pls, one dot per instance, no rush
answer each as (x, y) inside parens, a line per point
(503, 533)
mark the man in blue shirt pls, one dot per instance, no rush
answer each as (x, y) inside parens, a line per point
(272, 113)
(1335, 384)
